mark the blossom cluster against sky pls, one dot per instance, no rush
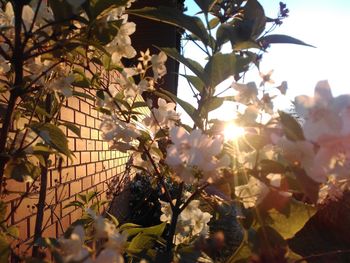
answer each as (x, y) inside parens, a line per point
(321, 23)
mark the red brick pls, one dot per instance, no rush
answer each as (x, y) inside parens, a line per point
(94, 156)
(73, 102)
(98, 146)
(68, 174)
(99, 167)
(75, 215)
(86, 182)
(85, 107)
(80, 145)
(71, 143)
(64, 223)
(75, 187)
(62, 192)
(79, 118)
(95, 134)
(23, 229)
(85, 132)
(66, 210)
(67, 114)
(91, 168)
(76, 159)
(90, 122)
(105, 146)
(80, 171)
(93, 113)
(85, 157)
(25, 209)
(90, 145)
(50, 231)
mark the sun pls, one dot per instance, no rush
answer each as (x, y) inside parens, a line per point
(232, 131)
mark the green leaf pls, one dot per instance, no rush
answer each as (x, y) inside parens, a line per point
(83, 95)
(194, 66)
(94, 8)
(13, 231)
(238, 46)
(221, 66)
(4, 249)
(104, 32)
(224, 33)
(72, 127)
(214, 22)
(287, 225)
(309, 187)
(22, 170)
(270, 166)
(53, 136)
(62, 10)
(75, 204)
(80, 80)
(195, 81)
(91, 195)
(126, 226)
(291, 127)
(114, 219)
(153, 230)
(174, 17)
(243, 252)
(139, 104)
(254, 12)
(281, 39)
(268, 238)
(214, 103)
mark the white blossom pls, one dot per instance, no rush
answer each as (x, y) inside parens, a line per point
(158, 65)
(73, 248)
(194, 151)
(252, 193)
(247, 93)
(163, 116)
(192, 222)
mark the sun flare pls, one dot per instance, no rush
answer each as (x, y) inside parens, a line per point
(232, 131)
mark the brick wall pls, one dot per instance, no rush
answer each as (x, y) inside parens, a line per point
(92, 168)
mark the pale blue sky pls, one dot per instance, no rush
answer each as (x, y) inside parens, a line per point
(322, 23)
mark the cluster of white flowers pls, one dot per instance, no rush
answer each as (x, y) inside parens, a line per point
(73, 249)
(158, 67)
(120, 134)
(164, 116)
(254, 192)
(195, 151)
(325, 152)
(192, 221)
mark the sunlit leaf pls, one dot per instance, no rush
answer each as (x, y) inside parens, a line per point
(281, 39)
(22, 170)
(194, 66)
(53, 136)
(72, 127)
(288, 224)
(195, 81)
(221, 66)
(291, 127)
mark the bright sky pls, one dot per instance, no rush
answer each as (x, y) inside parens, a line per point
(322, 23)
